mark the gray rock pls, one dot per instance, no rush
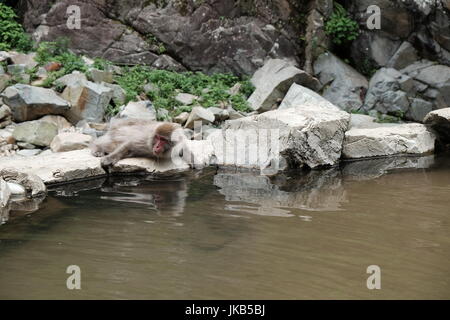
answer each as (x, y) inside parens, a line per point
(99, 76)
(26, 59)
(273, 80)
(139, 110)
(4, 80)
(219, 114)
(29, 103)
(17, 69)
(309, 134)
(186, 98)
(385, 92)
(69, 141)
(233, 114)
(401, 139)
(419, 109)
(434, 75)
(404, 56)
(165, 62)
(181, 118)
(299, 95)
(89, 101)
(119, 94)
(5, 112)
(37, 132)
(72, 79)
(344, 85)
(59, 121)
(378, 47)
(199, 114)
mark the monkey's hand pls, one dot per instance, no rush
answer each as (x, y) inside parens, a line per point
(98, 154)
(107, 161)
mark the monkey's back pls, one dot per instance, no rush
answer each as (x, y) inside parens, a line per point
(137, 133)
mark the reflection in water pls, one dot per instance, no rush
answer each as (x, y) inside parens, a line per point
(236, 235)
(312, 191)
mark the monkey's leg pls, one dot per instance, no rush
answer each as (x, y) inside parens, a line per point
(120, 153)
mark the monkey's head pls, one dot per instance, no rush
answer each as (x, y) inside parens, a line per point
(162, 141)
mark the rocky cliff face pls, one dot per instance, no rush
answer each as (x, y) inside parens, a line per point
(210, 35)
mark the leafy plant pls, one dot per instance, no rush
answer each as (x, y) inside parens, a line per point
(101, 64)
(212, 90)
(12, 35)
(340, 26)
(58, 52)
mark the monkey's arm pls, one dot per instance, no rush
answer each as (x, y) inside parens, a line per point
(119, 153)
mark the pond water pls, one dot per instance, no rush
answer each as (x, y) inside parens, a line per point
(236, 235)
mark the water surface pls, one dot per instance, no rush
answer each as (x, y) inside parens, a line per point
(235, 235)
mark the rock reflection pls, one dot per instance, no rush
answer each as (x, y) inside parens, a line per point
(323, 190)
(310, 191)
(159, 195)
(374, 168)
(18, 207)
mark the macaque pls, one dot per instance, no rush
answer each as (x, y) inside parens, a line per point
(127, 138)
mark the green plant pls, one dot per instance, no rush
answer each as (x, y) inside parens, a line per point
(102, 64)
(58, 52)
(212, 90)
(12, 35)
(340, 26)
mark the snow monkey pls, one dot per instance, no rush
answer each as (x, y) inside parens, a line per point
(128, 138)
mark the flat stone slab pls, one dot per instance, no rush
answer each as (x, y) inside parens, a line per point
(57, 167)
(80, 164)
(402, 139)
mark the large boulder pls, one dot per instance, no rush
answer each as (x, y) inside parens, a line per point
(29, 103)
(39, 133)
(89, 101)
(344, 86)
(69, 141)
(273, 80)
(208, 36)
(402, 139)
(305, 134)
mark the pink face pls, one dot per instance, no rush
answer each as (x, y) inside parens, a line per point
(160, 144)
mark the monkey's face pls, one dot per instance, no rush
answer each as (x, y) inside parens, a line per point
(161, 145)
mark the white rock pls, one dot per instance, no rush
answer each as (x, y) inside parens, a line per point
(5, 193)
(401, 139)
(57, 167)
(273, 80)
(299, 95)
(138, 110)
(199, 114)
(185, 98)
(16, 189)
(308, 134)
(69, 141)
